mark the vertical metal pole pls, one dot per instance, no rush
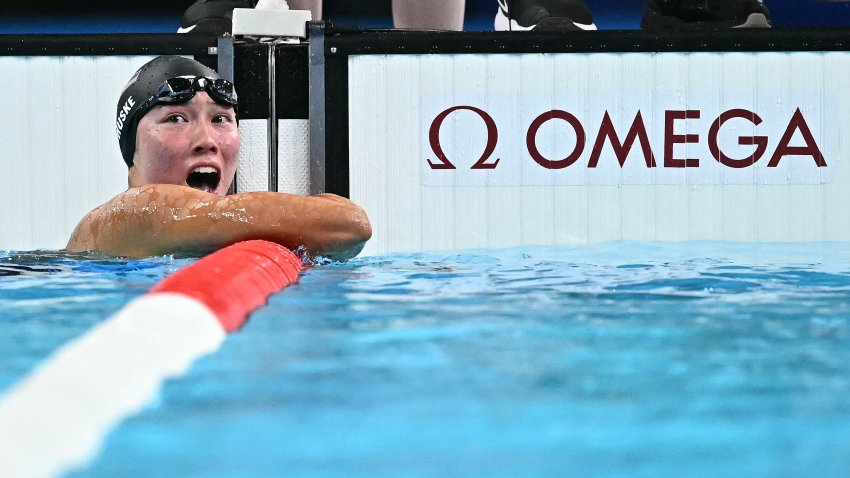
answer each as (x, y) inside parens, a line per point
(316, 67)
(272, 124)
(225, 57)
(224, 51)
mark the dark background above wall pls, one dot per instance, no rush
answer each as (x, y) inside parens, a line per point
(160, 16)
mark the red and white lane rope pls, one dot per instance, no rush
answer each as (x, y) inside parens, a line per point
(56, 418)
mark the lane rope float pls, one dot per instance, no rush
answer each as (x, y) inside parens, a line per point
(55, 419)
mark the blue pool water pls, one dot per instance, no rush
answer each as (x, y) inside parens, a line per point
(625, 359)
(48, 298)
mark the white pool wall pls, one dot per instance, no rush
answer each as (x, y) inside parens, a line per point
(393, 100)
(58, 150)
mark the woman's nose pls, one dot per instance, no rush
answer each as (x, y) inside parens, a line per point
(205, 139)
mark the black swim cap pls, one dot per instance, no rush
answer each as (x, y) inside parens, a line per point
(141, 87)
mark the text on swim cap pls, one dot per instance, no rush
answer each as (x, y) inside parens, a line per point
(122, 115)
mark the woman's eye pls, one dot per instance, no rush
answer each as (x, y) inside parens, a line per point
(222, 119)
(175, 119)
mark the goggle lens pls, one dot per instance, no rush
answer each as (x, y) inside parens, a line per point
(182, 89)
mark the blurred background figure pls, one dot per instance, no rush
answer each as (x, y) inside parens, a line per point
(704, 14)
(215, 15)
(513, 15)
(559, 15)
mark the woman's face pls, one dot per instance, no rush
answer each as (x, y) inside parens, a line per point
(193, 144)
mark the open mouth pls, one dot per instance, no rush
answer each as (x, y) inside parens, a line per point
(204, 178)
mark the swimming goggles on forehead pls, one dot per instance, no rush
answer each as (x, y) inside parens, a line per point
(183, 88)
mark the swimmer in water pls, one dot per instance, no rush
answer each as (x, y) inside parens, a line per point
(178, 134)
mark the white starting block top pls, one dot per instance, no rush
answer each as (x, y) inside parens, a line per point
(276, 20)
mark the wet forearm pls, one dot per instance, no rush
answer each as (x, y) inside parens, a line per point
(166, 219)
(326, 224)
